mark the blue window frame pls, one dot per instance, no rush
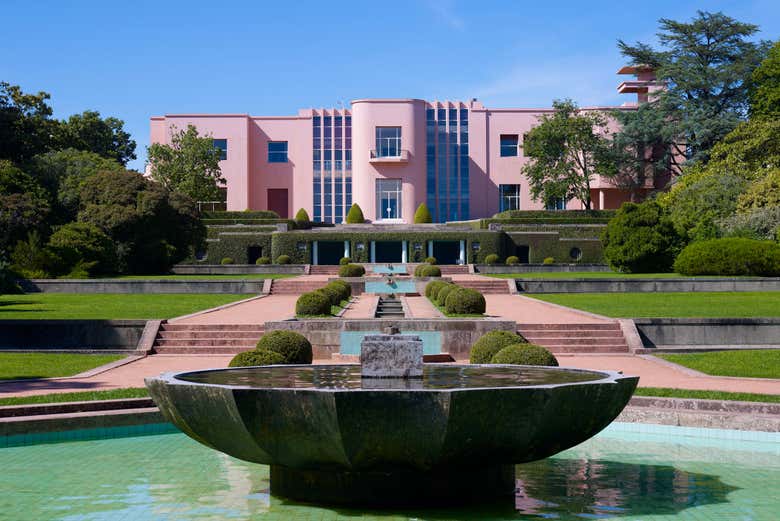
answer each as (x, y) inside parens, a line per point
(509, 145)
(509, 197)
(388, 141)
(556, 203)
(277, 151)
(221, 144)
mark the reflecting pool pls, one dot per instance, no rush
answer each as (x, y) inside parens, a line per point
(628, 472)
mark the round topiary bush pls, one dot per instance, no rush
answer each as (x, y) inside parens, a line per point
(302, 217)
(512, 260)
(548, 260)
(484, 349)
(430, 260)
(352, 270)
(347, 287)
(430, 271)
(344, 261)
(491, 259)
(263, 260)
(441, 295)
(432, 288)
(464, 301)
(312, 303)
(256, 357)
(294, 347)
(731, 256)
(226, 260)
(283, 259)
(524, 354)
(333, 294)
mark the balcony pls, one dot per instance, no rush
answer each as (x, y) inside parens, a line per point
(396, 156)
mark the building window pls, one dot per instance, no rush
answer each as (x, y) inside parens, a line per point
(277, 151)
(557, 203)
(388, 141)
(221, 144)
(509, 197)
(388, 199)
(508, 145)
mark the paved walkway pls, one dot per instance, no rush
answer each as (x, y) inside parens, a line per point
(421, 307)
(363, 307)
(256, 311)
(524, 310)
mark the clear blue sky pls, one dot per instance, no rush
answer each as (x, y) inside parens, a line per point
(136, 59)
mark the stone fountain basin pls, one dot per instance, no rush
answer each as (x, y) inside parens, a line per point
(325, 418)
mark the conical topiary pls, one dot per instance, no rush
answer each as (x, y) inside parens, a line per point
(302, 216)
(422, 215)
(355, 215)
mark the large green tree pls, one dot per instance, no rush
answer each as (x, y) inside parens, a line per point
(24, 205)
(706, 66)
(189, 165)
(765, 92)
(26, 127)
(565, 151)
(103, 136)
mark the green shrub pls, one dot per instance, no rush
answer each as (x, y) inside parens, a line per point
(548, 260)
(352, 270)
(484, 349)
(441, 295)
(524, 354)
(344, 261)
(263, 260)
(333, 294)
(640, 239)
(464, 301)
(256, 357)
(731, 256)
(226, 260)
(312, 303)
(512, 260)
(422, 215)
(294, 347)
(430, 271)
(283, 259)
(302, 217)
(432, 288)
(491, 259)
(86, 246)
(355, 215)
(430, 260)
(344, 290)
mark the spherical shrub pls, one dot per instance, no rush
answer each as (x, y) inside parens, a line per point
(226, 260)
(548, 260)
(441, 295)
(344, 261)
(312, 303)
(343, 284)
(484, 349)
(430, 271)
(464, 301)
(491, 259)
(263, 260)
(418, 269)
(524, 354)
(294, 347)
(731, 256)
(352, 270)
(432, 288)
(256, 357)
(512, 260)
(283, 259)
(333, 294)
(430, 260)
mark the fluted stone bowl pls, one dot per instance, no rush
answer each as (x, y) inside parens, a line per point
(331, 436)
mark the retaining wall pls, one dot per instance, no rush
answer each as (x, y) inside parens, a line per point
(647, 285)
(721, 332)
(70, 334)
(253, 286)
(237, 269)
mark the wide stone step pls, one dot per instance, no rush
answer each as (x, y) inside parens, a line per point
(602, 326)
(586, 349)
(211, 327)
(206, 342)
(189, 350)
(591, 340)
(209, 334)
(574, 333)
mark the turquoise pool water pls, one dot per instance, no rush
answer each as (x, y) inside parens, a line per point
(350, 341)
(397, 286)
(390, 268)
(628, 472)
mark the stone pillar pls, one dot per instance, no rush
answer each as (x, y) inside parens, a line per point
(404, 252)
(372, 258)
(314, 253)
(462, 254)
(601, 199)
(430, 248)
(346, 248)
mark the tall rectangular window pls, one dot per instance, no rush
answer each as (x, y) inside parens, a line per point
(509, 197)
(556, 203)
(447, 163)
(388, 141)
(277, 151)
(508, 145)
(221, 144)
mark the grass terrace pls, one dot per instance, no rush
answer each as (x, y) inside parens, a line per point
(107, 306)
(666, 392)
(589, 275)
(748, 363)
(748, 304)
(247, 276)
(18, 366)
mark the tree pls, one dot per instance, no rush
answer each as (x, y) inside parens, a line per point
(564, 151)
(24, 205)
(706, 66)
(355, 215)
(105, 137)
(765, 92)
(83, 244)
(763, 193)
(26, 127)
(422, 214)
(190, 165)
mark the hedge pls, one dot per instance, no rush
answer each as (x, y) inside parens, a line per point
(351, 270)
(733, 256)
(312, 304)
(294, 347)
(555, 214)
(464, 301)
(257, 357)
(444, 291)
(432, 288)
(344, 288)
(484, 349)
(235, 246)
(333, 294)
(542, 245)
(524, 354)
(429, 271)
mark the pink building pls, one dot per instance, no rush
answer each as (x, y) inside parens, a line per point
(387, 155)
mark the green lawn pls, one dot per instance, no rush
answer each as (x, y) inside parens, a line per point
(15, 366)
(665, 392)
(587, 275)
(248, 276)
(751, 363)
(646, 305)
(107, 306)
(113, 394)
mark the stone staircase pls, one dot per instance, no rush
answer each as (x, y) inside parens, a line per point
(605, 337)
(295, 286)
(486, 286)
(454, 269)
(207, 339)
(323, 270)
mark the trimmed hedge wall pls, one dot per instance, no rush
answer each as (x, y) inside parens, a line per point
(555, 214)
(249, 214)
(543, 245)
(235, 246)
